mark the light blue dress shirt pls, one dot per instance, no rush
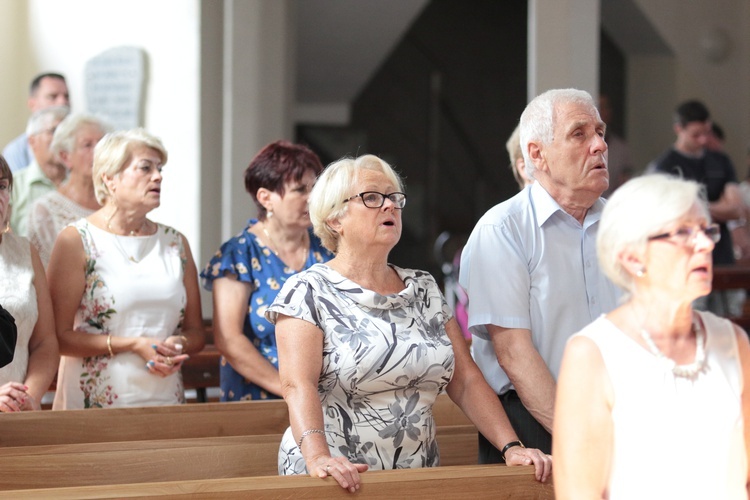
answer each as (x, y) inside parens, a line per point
(529, 264)
(18, 153)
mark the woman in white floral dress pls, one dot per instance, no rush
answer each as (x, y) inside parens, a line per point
(124, 288)
(365, 347)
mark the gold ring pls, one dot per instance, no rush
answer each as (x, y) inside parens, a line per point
(328, 466)
(169, 361)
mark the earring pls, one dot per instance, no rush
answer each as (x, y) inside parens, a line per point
(640, 273)
(269, 214)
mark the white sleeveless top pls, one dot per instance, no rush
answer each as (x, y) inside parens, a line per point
(674, 437)
(134, 288)
(18, 296)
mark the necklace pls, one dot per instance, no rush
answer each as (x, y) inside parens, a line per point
(132, 232)
(685, 371)
(131, 258)
(276, 247)
(270, 240)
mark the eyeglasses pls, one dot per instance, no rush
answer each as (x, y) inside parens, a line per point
(373, 199)
(687, 236)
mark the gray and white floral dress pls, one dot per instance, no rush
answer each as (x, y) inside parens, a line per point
(385, 360)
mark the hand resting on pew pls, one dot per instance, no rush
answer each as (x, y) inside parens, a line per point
(366, 347)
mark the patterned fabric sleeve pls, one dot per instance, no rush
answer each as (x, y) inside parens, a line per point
(296, 300)
(231, 258)
(41, 230)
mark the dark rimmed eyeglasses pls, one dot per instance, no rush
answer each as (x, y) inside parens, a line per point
(373, 199)
(688, 235)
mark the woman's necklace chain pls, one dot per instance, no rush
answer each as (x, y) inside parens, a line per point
(270, 240)
(118, 244)
(275, 248)
(685, 371)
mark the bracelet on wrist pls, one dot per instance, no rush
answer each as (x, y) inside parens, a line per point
(509, 446)
(109, 346)
(184, 342)
(307, 433)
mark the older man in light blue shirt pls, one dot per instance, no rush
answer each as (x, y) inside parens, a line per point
(530, 266)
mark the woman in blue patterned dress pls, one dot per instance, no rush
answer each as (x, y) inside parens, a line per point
(248, 271)
(365, 347)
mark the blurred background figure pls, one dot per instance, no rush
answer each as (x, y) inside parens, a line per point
(46, 90)
(690, 158)
(73, 145)
(513, 146)
(124, 288)
(25, 296)
(716, 138)
(44, 174)
(654, 370)
(248, 271)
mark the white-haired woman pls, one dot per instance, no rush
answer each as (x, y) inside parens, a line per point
(73, 144)
(24, 293)
(652, 397)
(124, 288)
(365, 347)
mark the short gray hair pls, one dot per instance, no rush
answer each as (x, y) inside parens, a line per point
(42, 119)
(640, 208)
(538, 120)
(66, 132)
(334, 185)
(113, 153)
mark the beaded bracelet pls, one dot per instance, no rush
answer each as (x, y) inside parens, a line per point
(307, 433)
(109, 346)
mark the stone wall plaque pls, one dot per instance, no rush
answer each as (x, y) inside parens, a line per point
(115, 82)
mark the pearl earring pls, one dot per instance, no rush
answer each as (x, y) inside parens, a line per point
(640, 273)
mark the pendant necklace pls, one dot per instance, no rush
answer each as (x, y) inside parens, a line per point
(684, 371)
(275, 246)
(118, 244)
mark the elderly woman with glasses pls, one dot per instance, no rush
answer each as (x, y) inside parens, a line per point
(365, 347)
(652, 397)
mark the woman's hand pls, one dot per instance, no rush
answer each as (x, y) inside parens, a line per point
(13, 397)
(527, 456)
(166, 357)
(341, 469)
(162, 357)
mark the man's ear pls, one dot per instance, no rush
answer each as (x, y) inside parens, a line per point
(537, 157)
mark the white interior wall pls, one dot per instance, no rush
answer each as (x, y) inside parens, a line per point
(63, 36)
(14, 52)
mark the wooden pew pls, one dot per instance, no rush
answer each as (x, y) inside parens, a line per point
(173, 459)
(141, 424)
(465, 482)
(166, 422)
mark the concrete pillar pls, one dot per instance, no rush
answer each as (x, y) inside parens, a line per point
(258, 94)
(563, 45)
